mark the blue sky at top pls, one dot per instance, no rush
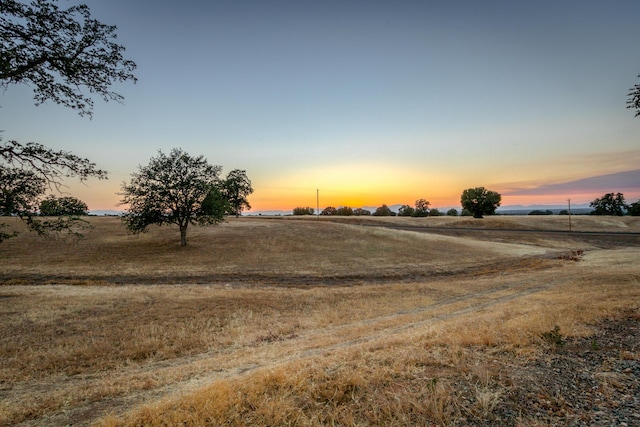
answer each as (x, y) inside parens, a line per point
(370, 101)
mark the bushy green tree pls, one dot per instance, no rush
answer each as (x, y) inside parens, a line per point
(435, 212)
(303, 211)
(634, 209)
(480, 201)
(19, 191)
(422, 208)
(452, 212)
(540, 212)
(237, 188)
(406, 210)
(215, 203)
(329, 210)
(361, 212)
(344, 211)
(63, 206)
(172, 189)
(609, 204)
(383, 210)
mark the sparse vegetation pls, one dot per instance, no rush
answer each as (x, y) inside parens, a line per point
(553, 337)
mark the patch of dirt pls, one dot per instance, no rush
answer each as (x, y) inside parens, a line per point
(593, 381)
(530, 263)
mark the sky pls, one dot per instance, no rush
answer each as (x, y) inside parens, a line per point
(365, 102)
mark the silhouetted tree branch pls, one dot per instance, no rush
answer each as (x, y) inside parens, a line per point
(634, 99)
(60, 51)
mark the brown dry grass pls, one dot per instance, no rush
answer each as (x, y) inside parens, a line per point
(240, 249)
(237, 351)
(590, 223)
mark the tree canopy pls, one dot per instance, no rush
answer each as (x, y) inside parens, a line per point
(479, 201)
(49, 165)
(422, 208)
(172, 189)
(406, 210)
(329, 210)
(59, 52)
(609, 204)
(19, 191)
(344, 211)
(383, 210)
(237, 187)
(63, 206)
(361, 212)
(306, 210)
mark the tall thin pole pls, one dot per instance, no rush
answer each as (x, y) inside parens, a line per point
(317, 202)
(569, 200)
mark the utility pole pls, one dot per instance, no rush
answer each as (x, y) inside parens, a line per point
(569, 200)
(318, 202)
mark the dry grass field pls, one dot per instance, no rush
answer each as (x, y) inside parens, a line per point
(311, 322)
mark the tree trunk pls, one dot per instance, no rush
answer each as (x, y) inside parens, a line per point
(183, 235)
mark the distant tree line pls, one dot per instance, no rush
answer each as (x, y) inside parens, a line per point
(476, 202)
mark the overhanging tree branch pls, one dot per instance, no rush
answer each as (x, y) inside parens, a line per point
(60, 52)
(47, 164)
(634, 99)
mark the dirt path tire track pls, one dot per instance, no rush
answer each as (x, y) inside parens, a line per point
(193, 372)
